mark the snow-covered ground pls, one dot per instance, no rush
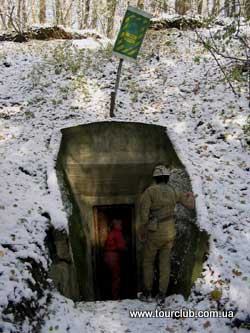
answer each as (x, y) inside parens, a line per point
(47, 86)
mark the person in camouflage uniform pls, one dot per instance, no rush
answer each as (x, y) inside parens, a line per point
(157, 229)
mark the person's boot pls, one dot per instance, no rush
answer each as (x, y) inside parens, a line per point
(160, 299)
(145, 296)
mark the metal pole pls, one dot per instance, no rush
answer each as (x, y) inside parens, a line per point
(114, 93)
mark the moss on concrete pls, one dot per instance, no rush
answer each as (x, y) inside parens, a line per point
(190, 249)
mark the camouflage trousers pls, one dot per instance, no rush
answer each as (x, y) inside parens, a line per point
(163, 242)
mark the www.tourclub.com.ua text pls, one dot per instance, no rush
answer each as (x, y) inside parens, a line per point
(182, 313)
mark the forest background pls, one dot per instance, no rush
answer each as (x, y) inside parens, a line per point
(105, 15)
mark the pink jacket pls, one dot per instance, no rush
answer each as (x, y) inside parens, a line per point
(115, 241)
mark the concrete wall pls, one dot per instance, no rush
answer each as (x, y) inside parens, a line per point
(107, 163)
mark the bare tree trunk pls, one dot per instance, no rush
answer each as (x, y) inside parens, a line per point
(80, 14)
(86, 13)
(182, 6)
(233, 8)
(216, 7)
(165, 6)
(152, 7)
(67, 14)
(200, 7)
(208, 7)
(227, 7)
(42, 11)
(33, 11)
(19, 11)
(58, 12)
(24, 13)
(94, 16)
(247, 8)
(162, 6)
(3, 16)
(9, 24)
(111, 6)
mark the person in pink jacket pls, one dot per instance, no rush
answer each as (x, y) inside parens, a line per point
(113, 249)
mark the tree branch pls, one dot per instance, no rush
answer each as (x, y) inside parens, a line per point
(67, 12)
(217, 61)
(10, 16)
(216, 50)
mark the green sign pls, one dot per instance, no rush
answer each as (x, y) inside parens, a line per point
(131, 34)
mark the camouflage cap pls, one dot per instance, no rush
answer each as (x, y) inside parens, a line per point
(161, 170)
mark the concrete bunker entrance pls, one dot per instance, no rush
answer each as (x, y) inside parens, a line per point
(103, 168)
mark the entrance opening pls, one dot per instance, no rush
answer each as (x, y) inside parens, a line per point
(103, 217)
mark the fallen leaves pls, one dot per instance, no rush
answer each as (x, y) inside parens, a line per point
(236, 272)
(216, 294)
(207, 324)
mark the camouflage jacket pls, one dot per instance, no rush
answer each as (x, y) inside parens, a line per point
(156, 197)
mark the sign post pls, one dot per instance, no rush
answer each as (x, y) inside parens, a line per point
(114, 93)
(130, 37)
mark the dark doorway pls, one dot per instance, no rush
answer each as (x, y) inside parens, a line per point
(103, 216)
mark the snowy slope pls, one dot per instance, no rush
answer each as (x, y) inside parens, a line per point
(47, 86)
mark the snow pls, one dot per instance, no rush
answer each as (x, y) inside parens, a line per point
(115, 317)
(86, 43)
(39, 97)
